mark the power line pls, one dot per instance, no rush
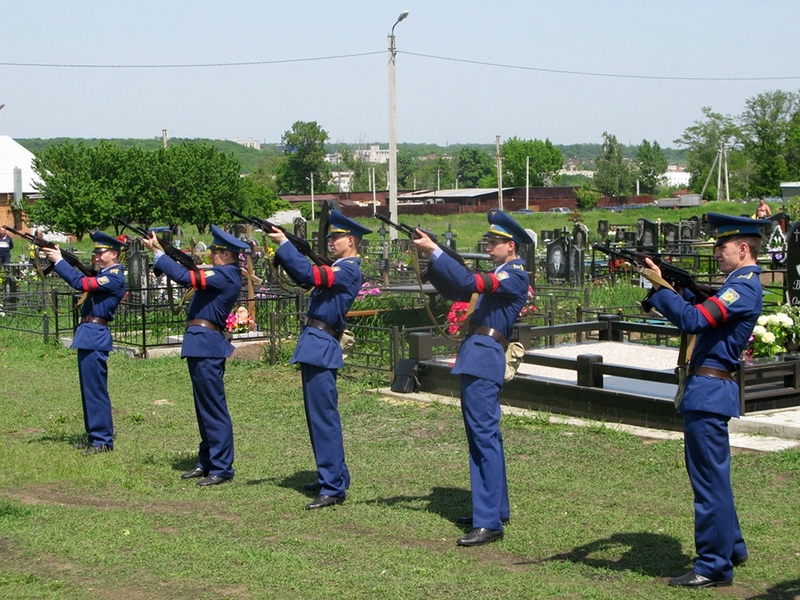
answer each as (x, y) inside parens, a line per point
(190, 66)
(591, 74)
(418, 54)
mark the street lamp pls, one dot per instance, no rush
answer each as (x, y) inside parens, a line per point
(393, 130)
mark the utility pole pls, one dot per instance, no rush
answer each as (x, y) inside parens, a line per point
(719, 159)
(499, 173)
(527, 181)
(164, 138)
(312, 195)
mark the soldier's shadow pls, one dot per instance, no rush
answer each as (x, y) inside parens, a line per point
(786, 590)
(449, 503)
(651, 554)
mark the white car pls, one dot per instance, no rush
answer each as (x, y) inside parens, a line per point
(560, 209)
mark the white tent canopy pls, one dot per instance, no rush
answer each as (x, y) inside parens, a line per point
(13, 155)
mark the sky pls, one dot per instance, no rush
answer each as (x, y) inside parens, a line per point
(466, 71)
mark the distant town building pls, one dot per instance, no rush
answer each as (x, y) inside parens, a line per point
(373, 155)
(248, 143)
(341, 180)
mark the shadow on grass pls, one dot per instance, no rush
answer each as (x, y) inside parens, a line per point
(449, 503)
(71, 439)
(650, 554)
(292, 482)
(787, 590)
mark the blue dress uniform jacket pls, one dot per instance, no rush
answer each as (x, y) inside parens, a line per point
(335, 288)
(216, 292)
(320, 356)
(481, 364)
(724, 324)
(93, 342)
(502, 296)
(214, 299)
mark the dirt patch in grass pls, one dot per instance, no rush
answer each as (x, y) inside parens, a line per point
(50, 495)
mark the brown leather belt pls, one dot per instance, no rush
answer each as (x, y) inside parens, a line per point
(97, 320)
(711, 372)
(203, 323)
(324, 327)
(491, 333)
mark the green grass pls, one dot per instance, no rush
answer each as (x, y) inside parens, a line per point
(595, 513)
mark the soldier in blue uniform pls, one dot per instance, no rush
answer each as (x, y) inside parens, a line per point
(481, 362)
(92, 337)
(206, 349)
(723, 324)
(318, 350)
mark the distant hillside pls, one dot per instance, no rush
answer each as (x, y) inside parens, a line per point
(249, 158)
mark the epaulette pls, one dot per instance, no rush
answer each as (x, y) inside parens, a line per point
(747, 276)
(518, 266)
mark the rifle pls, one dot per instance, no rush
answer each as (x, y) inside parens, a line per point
(411, 232)
(174, 253)
(675, 276)
(71, 259)
(302, 245)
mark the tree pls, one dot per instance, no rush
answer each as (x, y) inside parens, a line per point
(545, 162)
(652, 166)
(406, 170)
(84, 188)
(203, 184)
(613, 177)
(75, 187)
(764, 128)
(304, 147)
(703, 141)
(472, 165)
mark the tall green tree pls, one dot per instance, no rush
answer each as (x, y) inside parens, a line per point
(651, 164)
(765, 125)
(304, 147)
(76, 187)
(545, 162)
(83, 188)
(703, 141)
(203, 184)
(472, 165)
(614, 176)
(406, 170)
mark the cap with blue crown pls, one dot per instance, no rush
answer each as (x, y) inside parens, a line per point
(341, 225)
(503, 226)
(728, 226)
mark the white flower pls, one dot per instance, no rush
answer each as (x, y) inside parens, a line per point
(768, 337)
(758, 331)
(784, 319)
(762, 320)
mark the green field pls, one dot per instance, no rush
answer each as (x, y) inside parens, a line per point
(595, 514)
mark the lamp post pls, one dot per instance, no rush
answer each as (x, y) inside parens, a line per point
(393, 129)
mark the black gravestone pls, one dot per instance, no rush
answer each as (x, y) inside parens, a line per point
(557, 265)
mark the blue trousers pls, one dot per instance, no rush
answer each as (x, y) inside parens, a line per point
(93, 377)
(717, 535)
(321, 400)
(213, 419)
(480, 407)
